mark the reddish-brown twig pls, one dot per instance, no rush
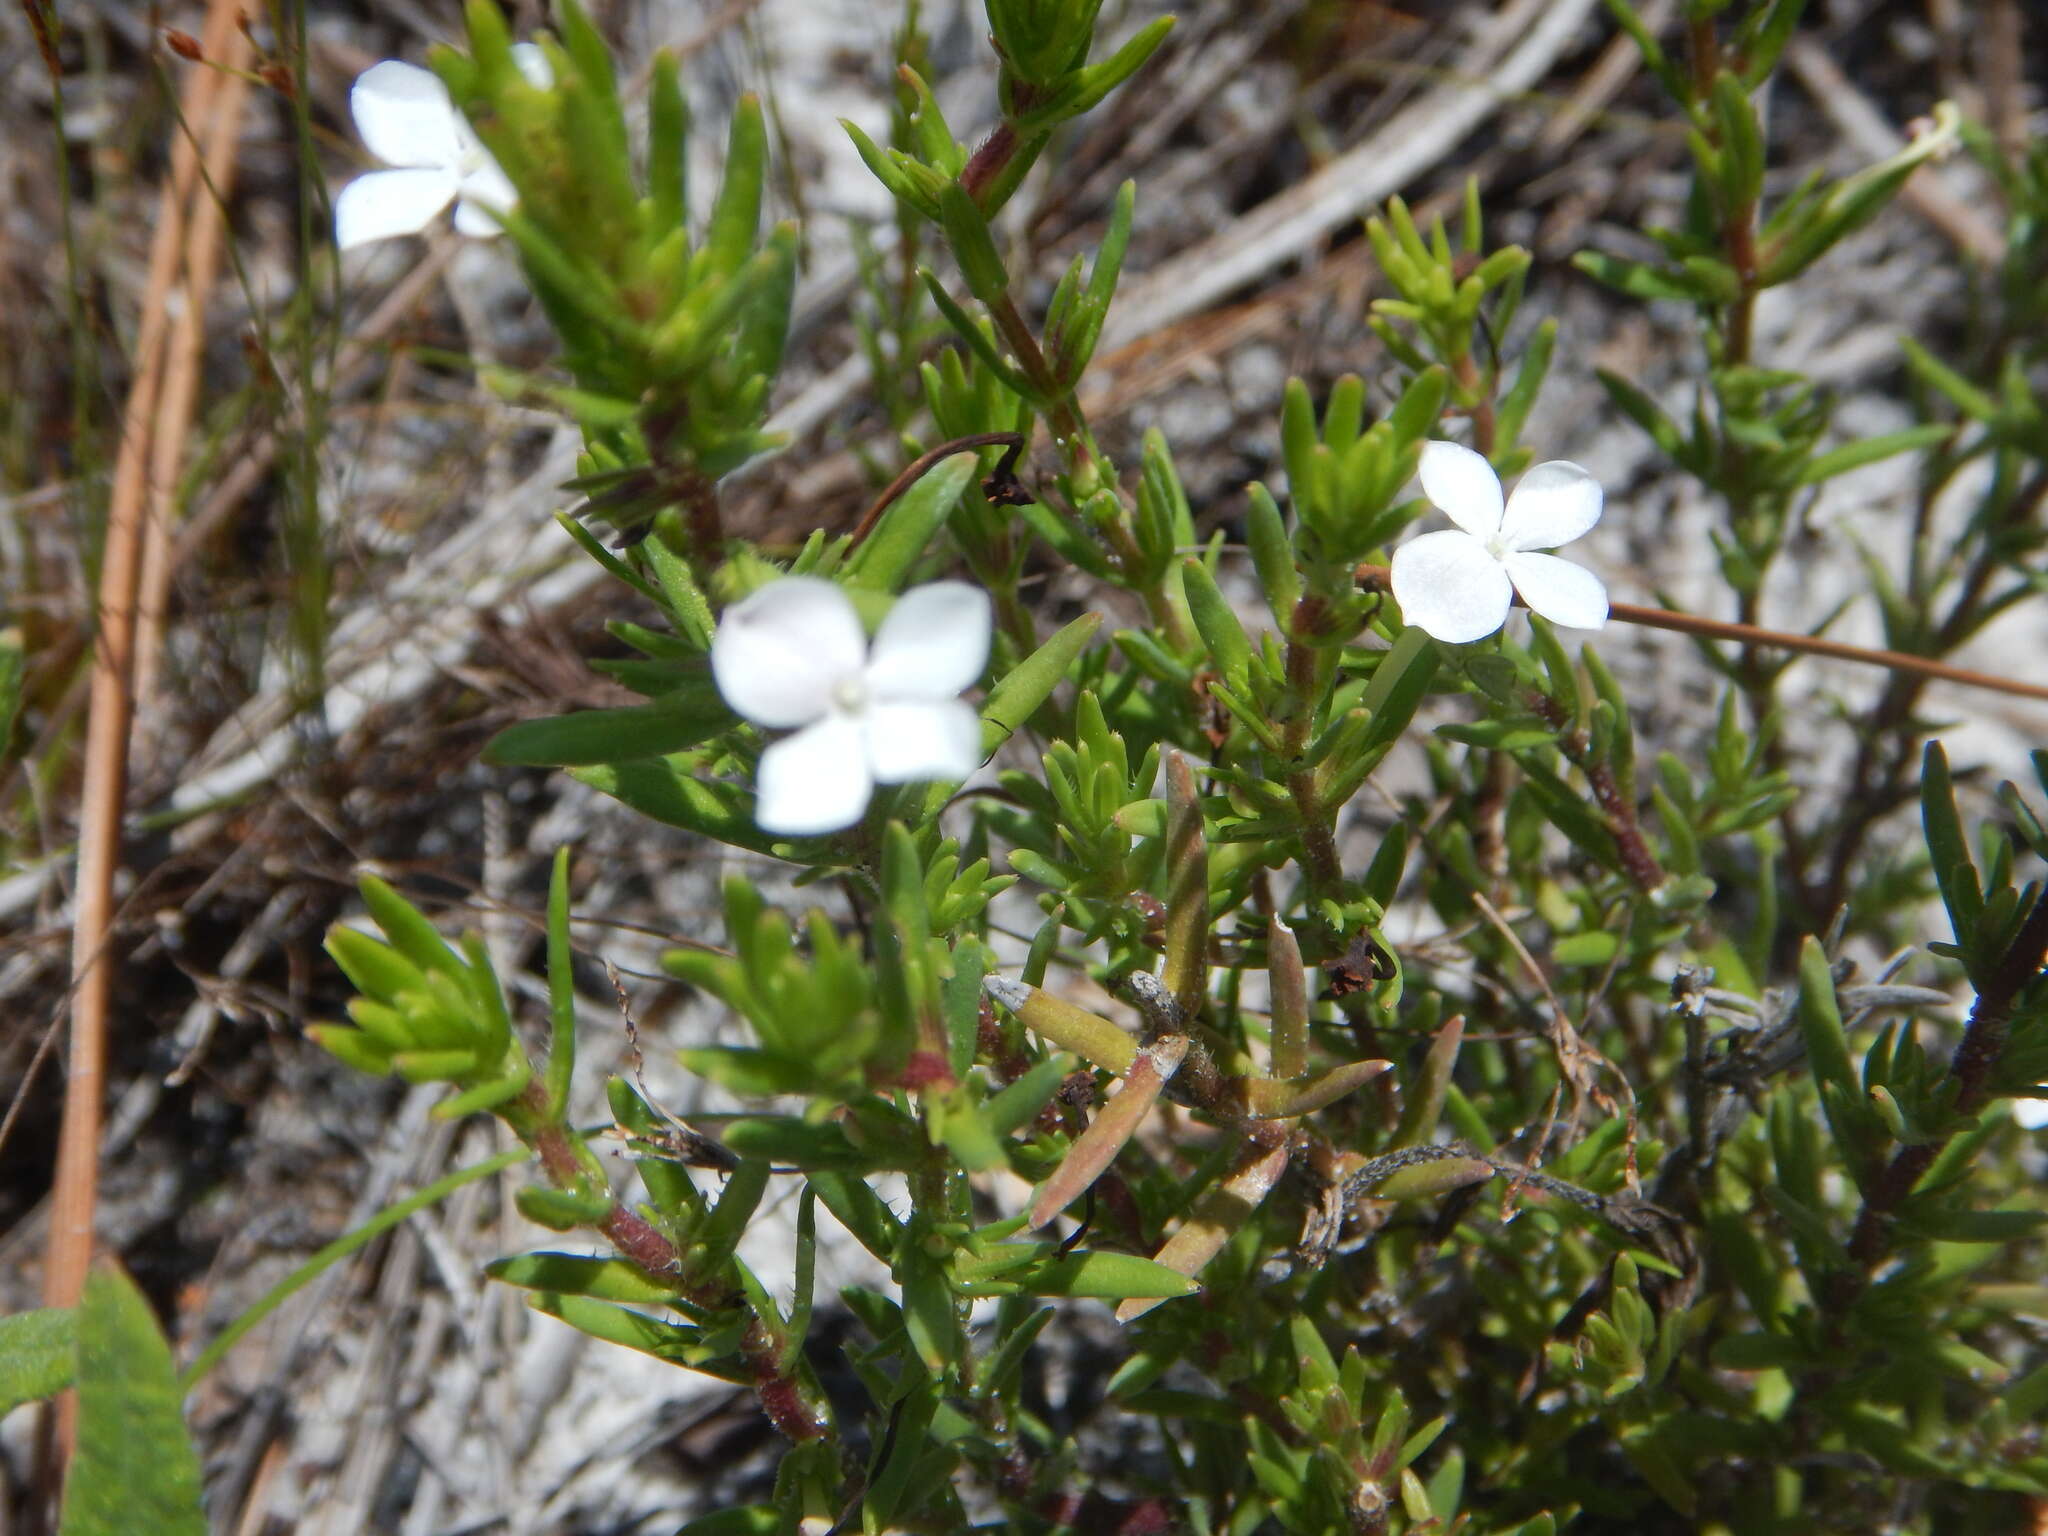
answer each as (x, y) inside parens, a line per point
(1778, 639)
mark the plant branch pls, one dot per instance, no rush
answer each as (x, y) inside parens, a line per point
(1970, 1069)
(1810, 645)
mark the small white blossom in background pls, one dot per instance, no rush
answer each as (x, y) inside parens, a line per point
(793, 655)
(407, 120)
(1458, 585)
(2032, 1114)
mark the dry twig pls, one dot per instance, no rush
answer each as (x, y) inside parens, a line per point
(99, 844)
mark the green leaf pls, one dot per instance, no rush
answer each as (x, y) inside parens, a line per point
(1641, 281)
(1031, 682)
(1645, 413)
(38, 1355)
(1108, 1276)
(13, 665)
(674, 1342)
(669, 790)
(134, 1468)
(792, 1141)
(976, 338)
(1948, 848)
(749, 1071)
(668, 138)
(1098, 80)
(1229, 650)
(1595, 948)
(408, 930)
(1675, 83)
(1869, 450)
(912, 521)
(1937, 375)
(1959, 1224)
(1272, 555)
(561, 1064)
(1820, 1019)
(748, 1520)
(579, 1275)
(973, 246)
(736, 217)
(1012, 1108)
(671, 723)
(561, 1210)
(376, 970)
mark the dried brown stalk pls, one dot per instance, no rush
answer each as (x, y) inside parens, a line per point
(180, 397)
(75, 1187)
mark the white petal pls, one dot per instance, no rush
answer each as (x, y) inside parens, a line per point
(779, 655)
(1448, 584)
(923, 740)
(533, 64)
(1562, 592)
(473, 221)
(814, 781)
(404, 115)
(1553, 504)
(933, 644)
(2031, 1114)
(484, 185)
(385, 203)
(1463, 486)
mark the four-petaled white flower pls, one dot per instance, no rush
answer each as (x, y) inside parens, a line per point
(793, 655)
(2032, 1114)
(1458, 585)
(406, 118)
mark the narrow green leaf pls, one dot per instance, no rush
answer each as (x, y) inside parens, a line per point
(561, 1065)
(592, 736)
(736, 217)
(1030, 683)
(1948, 848)
(669, 790)
(408, 930)
(1229, 650)
(677, 1343)
(580, 1275)
(1869, 450)
(912, 521)
(1108, 1276)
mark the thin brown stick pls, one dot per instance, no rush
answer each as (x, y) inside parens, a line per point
(180, 397)
(75, 1187)
(1778, 639)
(1815, 645)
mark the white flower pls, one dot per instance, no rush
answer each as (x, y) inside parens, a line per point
(1458, 585)
(2032, 1114)
(793, 655)
(406, 118)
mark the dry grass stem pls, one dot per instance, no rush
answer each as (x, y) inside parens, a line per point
(99, 844)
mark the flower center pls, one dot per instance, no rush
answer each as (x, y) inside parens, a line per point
(1497, 547)
(850, 695)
